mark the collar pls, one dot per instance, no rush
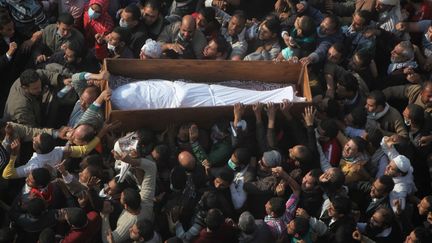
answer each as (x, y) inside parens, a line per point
(379, 115)
(385, 233)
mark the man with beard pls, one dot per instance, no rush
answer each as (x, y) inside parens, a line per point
(217, 49)
(24, 104)
(382, 227)
(388, 118)
(416, 94)
(268, 38)
(403, 66)
(182, 40)
(234, 31)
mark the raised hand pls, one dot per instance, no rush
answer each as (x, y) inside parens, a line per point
(309, 116)
(193, 133)
(15, 147)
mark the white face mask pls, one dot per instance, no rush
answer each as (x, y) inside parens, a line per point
(407, 122)
(111, 47)
(123, 23)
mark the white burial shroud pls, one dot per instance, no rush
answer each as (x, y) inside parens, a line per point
(158, 94)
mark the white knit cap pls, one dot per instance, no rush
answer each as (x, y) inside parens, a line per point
(403, 163)
(152, 49)
(389, 2)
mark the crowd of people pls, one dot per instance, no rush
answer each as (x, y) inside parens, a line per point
(356, 166)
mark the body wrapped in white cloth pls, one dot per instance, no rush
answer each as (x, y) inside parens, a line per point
(159, 94)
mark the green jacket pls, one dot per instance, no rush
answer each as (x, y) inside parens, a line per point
(219, 154)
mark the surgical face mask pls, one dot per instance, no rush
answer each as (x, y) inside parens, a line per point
(123, 23)
(407, 122)
(232, 165)
(111, 47)
(92, 14)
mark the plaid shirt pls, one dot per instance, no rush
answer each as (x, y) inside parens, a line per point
(278, 225)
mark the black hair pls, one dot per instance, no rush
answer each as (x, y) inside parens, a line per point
(94, 171)
(388, 183)
(214, 219)
(387, 214)
(128, 182)
(79, 50)
(330, 128)
(333, 108)
(334, 21)
(335, 183)
(29, 76)
(35, 207)
(240, 15)
(422, 235)
(365, 15)
(360, 142)
(307, 26)
(210, 200)
(349, 82)
(153, 4)
(277, 205)
(77, 217)
(365, 57)
(429, 200)
(416, 114)
(47, 236)
(178, 178)
(378, 96)
(134, 10)
(273, 25)
(226, 175)
(208, 13)
(425, 84)
(243, 155)
(124, 33)
(374, 137)
(94, 160)
(164, 152)
(41, 176)
(316, 173)
(222, 45)
(301, 226)
(146, 229)
(46, 144)
(359, 115)
(132, 198)
(65, 18)
(342, 205)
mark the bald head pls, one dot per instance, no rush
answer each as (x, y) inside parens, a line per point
(187, 27)
(88, 96)
(186, 160)
(82, 134)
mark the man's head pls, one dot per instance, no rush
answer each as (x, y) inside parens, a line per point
(38, 178)
(203, 17)
(236, 23)
(360, 61)
(178, 179)
(130, 16)
(304, 26)
(74, 52)
(7, 27)
(269, 160)
(310, 180)
(414, 115)
(240, 157)
(216, 48)
(300, 155)
(347, 87)
(76, 218)
(426, 93)
(88, 96)
(336, 53)
(298, 227)
(119, 38)
(65, 23)
(357, 118)
(223, 179)
(332, 180)
(354, 147)
(187, 160)
(43, 143)
(380, 220)
(247, 223)
(269, 30)
(150, 10)
(339, 207)
(382, 187)
(375, 102)
(214, 219)
(425, 206)
(275, 207)
(360, 20)
(130, 199)
(327, 130)
(187, 27)
(329, 26)
(398, 167)
(36, 207)
(418, 235)
(82, 134)
(402, 52)
(31, 83)
(89, 172)
(142, 231)
(382, 6)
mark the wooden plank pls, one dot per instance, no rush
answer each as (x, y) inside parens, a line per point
(205, 70)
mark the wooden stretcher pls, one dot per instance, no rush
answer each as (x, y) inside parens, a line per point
(202, 71)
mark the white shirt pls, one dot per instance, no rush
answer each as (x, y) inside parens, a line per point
(41, 160)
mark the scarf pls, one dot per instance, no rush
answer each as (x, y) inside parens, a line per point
(44, 193)
(377, 116)
(395, 66)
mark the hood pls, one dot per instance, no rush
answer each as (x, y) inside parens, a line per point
(103, 3)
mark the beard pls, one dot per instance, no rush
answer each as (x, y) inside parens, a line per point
(372, 231)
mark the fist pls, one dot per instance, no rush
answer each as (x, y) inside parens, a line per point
(12, 48)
